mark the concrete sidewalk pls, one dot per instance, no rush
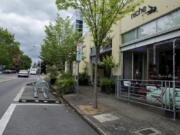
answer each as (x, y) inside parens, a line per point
(116, 117)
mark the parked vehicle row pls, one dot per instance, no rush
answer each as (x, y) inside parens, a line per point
(8, 71)
(23, 73)
(26, 73)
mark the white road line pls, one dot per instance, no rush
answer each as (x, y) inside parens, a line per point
(18, 96)
(6, 117)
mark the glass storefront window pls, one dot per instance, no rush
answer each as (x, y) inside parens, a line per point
(168, 22)
(147, 30)
(130, 36)
(162, 24)
(176, 18)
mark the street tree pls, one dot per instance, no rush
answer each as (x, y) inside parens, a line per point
(60, 43)
(25, 62)
(99, 15)
(10, 52)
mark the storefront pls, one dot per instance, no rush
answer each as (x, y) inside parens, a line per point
(152, 51)
(150, 63)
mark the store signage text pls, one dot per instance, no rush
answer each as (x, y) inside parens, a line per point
(144, 10)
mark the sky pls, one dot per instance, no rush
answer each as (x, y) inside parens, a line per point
(26, 19)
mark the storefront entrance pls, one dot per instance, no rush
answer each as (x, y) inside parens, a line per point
(153, 62)
(151, 75)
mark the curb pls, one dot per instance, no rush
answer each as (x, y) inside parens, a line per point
(39, 101)
(90, 122)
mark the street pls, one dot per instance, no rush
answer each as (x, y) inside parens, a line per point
(35, 118)
(9, 87)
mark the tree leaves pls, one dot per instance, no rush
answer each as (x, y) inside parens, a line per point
(99, 15)
(60, 43)
(108, 62)
(10, 53)
(25, 62)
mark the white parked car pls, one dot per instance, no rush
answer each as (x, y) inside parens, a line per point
(33, 71)
(23, 73)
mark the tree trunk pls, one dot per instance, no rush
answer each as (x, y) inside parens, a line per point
(95, 80)
(95, 87)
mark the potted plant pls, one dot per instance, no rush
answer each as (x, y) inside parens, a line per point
(107, 85)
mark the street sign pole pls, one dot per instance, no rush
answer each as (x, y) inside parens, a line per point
(78, 60)
(77, 79)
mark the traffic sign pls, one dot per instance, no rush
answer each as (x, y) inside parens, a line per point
(79, 52)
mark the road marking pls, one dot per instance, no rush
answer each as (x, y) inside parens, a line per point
(6, 117)
(18, 96)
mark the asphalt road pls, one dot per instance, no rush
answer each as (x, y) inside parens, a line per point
(9, 87)
(36, 118)
(46, 120)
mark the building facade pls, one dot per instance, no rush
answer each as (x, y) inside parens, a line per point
(142, 43)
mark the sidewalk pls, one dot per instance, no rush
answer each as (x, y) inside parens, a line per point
(116, 117)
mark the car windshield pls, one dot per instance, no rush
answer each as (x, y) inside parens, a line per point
(22, 71)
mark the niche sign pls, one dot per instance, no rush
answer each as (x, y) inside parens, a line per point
(144, 10)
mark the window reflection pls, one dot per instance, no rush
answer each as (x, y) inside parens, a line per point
(130, 36)
(164, 23)
(147, 30)
(160, 25)
(176, 18)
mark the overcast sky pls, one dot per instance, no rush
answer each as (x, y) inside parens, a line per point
(26, 20)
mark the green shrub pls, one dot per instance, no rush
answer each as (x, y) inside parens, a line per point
(47, 77)
(107, 85)
(66, 84)
(106, 82)
(53, 73)
(66, 75)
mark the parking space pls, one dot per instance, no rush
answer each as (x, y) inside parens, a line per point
(45, 119)
(41, 118)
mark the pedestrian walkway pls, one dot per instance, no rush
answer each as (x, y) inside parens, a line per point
(116, 117)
